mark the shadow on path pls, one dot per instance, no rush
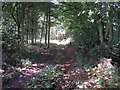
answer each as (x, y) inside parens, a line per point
(64, 57)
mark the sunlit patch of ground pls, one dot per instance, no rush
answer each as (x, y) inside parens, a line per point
(62, 65)
(34, 68)
(63, 42)
(24, 76)
(65, 63)
(59, 42)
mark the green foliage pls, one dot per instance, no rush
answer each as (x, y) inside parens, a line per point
(24, 21)
(9, 72)
(82, 24)
(6, 79)
(9, 42)
(104, 76)
(82, 60)
(25, 62)
(47, 78)
(110, 50)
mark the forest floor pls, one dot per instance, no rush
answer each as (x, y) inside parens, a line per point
(73, 72)
(64, 57)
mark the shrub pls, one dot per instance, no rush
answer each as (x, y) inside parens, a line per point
(47, 78)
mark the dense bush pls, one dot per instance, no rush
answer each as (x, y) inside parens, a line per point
(9, 72)
(104, 75)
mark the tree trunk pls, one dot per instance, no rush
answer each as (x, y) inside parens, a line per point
(46, 28)
(35, 37)
(101, 32)
(27, 37)
(22, 35)
(43, 25)
(109, 28)
(49, 28)
(32, 37)
(41, 36)
(110, 21)
(18, 34)
(110, 32)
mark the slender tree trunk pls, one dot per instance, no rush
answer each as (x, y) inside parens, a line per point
(22, 31)
(46, 28)
(109, 27)
(22, 34)
(18, 34)
(41, 36)
(43, 25)
(18, 22)
(49, 29)
(110, 32)
(22, 24)
(35, 37)
(110, 21)
(32, 37)
(101, 32)
(27, 36)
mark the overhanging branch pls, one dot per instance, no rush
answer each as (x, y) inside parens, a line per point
(14, 18)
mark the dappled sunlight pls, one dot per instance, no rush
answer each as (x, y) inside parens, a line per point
(36, 65)
(60, 45)
(1, 71)
(58, 67)
(62, 65)
(64, 70)
(62, 42)
(104, 75)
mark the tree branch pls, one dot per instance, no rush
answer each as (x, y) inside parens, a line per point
(14, 18)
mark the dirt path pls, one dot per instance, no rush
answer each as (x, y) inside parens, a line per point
(25, 76)
(64, 57)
